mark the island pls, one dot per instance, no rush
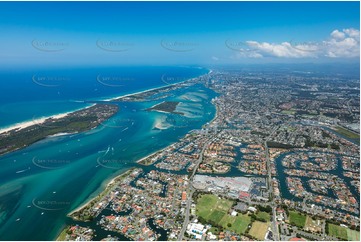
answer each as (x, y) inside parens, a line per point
(153, 94)
(166, 107)
(75, 122)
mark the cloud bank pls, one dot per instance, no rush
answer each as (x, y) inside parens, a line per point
(340, 44)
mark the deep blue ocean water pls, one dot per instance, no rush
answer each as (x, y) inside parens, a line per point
(40, 184)
(33, 93)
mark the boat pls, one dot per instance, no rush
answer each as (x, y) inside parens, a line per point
(22, 170)
(42, 213)
(106, 152)
(18, 220)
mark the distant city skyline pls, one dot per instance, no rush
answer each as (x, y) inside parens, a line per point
(162, 33)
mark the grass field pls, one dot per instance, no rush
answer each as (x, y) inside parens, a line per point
(298, 219)
(264, 215)
(343, 233)
(288, 112)
(216, 216)
(259, 230)
(353, 235)
(337, 231)
(239, 223)
(211, 208)
(347, 133)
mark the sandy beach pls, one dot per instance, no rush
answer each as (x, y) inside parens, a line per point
(158, 151)
(38, 121)
(152, 89)
(108, 184)
(131, 94)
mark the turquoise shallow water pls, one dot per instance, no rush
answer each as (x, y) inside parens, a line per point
(39, 185)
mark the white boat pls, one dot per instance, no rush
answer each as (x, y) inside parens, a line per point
(106, 152)
(23, 170)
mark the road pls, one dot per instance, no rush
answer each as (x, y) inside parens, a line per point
(276, 234)
(190, 191)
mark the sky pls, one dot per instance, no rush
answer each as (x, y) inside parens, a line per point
(177, 33)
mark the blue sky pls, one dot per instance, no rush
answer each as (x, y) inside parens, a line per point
(159, 33)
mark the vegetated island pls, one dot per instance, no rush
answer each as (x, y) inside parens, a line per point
(155, 93)
(166, 106)
(78, 121)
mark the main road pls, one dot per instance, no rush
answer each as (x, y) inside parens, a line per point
(270, 191)
(190, 191)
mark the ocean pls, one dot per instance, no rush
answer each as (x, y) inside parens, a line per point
(42, 183)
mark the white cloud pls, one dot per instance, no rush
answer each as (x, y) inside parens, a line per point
(348, 46)
(215, 58)
(337, 34)
(340, 44)
(354, 33)
(284, 49)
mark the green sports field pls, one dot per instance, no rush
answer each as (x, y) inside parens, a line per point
(343, 233)
(353, 235)
(337, 231)
(212, 208)
(298, 219)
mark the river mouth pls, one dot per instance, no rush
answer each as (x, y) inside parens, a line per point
(93, 157)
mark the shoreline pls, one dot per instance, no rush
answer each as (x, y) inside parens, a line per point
(108, 184)
(155, 152)
(60, 134)
(38, 121)
(26, 124)
(154, 88)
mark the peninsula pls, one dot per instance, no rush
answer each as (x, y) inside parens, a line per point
(75, 122)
